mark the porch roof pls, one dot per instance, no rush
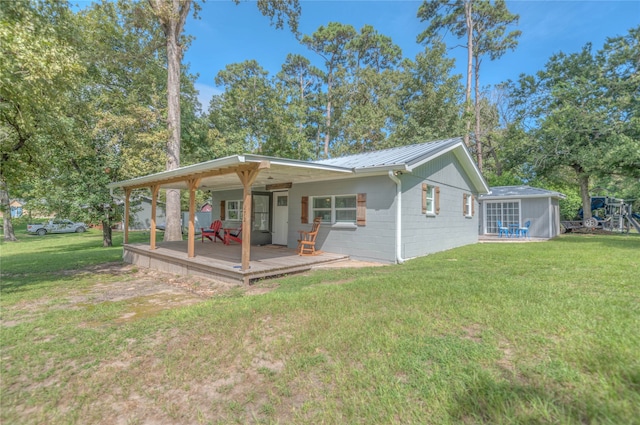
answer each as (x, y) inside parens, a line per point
(219, 174)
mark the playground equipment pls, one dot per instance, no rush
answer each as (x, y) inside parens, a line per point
(607, 213)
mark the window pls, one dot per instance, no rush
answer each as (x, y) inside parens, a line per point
(431, 205)
(507, 212)
(430, 199)
(335, 209)
(345, 209)
(282, 201)
(467, 205)
(261, 217)
(234, 210)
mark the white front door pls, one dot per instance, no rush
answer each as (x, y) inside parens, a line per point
(280, 218)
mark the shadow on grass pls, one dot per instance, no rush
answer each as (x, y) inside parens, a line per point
(613, 240)
(489, 402)
(33, 261)
(21, 284)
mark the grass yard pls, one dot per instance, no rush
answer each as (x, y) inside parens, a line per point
(538, 333)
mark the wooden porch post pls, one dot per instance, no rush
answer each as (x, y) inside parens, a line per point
(127, 194)
(193, 185)
(247, 177)
(154, 204)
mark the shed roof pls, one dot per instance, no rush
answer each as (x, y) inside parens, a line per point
(512, 192)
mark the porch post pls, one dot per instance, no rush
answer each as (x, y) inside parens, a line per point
(193, 185)
(127, 194)
(154, 204)
(247, 177)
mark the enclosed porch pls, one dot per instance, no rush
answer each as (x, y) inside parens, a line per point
(220, 261)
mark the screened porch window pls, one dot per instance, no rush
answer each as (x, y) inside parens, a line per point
(507, 212)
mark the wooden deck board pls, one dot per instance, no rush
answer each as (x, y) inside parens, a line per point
(217, 260)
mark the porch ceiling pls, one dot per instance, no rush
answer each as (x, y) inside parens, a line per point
(220, 174)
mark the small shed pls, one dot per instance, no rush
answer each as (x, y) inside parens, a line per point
(515, 205)
(17, 208)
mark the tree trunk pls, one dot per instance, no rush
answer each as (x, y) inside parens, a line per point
(583, 180)
(172, 25)
(467, 102)
(5, 207)
(107, 240)
(476, 101)
(326, 134)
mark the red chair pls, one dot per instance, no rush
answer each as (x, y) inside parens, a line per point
(213, 232)
(232, 235)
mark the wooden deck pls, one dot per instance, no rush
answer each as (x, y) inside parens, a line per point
(220, 261)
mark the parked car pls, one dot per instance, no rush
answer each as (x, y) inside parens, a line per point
(56, 226)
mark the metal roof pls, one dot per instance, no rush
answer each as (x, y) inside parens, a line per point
(521, 192)
(402, 156)
(218, 174)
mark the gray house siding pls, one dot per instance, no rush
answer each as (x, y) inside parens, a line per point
(140, 215)
(373, 242)
(536, 210)
(423, 234)
(544, 214)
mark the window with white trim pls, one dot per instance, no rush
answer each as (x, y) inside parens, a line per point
(468, 205)
(234, 210)
(335, 209)
(506, 212)
(430, 200)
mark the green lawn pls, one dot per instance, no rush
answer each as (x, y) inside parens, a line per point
(538, 333)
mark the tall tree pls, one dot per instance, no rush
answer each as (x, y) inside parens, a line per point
(455, 16)
(581, 112)
(39, 66)
(248, 104)
(429, 99)
(369, 100)
(492, 40)
(172, 15)
(483, 24)
(331, 44)
(301, 86)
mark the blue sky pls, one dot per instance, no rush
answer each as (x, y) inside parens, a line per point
(228, 33)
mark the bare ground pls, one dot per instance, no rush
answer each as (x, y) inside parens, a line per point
(137, 387)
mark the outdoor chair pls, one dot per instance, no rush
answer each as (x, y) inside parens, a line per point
(233, 235)
(524, 231)
(307, 241)
(213, 232)
(502, 230)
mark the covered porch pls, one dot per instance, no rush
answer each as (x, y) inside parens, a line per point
(243, 262)
(224, 262)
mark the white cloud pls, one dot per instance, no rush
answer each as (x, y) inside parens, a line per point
(205, 93)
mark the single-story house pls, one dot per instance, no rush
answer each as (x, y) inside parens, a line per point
(517, 205)
(140, 212)
(383, 206)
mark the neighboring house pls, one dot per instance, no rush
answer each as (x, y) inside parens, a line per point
(385, 206)
(519, 204)
(16, 207)
(140, 210)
